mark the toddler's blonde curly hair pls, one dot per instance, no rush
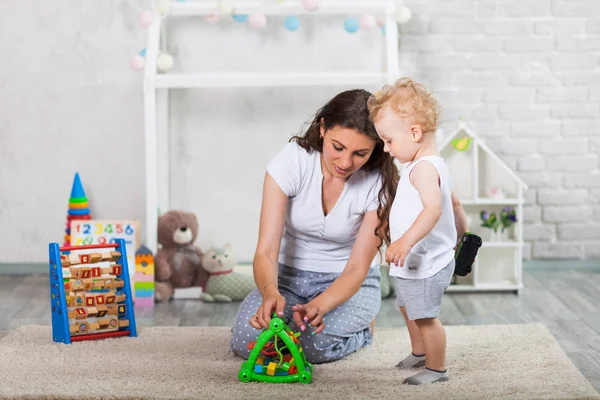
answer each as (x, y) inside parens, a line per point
(409, 99)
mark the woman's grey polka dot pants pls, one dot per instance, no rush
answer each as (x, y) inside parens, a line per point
(347, 327)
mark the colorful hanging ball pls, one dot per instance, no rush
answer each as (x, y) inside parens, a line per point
(142, 52)
(403, 15)
(310, 5)
(212, 18)
(164, 62)
(380, 21)
(163, 7)
(351, 25)
(146, 18)
(225, 6)
(240, 18)
(292, 23)
(137, 63)
(257, 21)
(367, 22)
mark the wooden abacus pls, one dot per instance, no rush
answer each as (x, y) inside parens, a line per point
(90, 293)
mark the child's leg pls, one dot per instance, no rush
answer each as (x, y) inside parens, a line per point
(414, 332)
(417, 358)
(423, 306)
(434, 340)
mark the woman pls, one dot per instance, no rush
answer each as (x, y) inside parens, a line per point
(322, 222)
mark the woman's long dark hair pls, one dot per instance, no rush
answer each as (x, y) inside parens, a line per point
(349, 110)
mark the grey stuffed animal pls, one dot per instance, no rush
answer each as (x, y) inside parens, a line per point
(223, 284)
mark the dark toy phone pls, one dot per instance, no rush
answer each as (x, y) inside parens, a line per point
(466, 253)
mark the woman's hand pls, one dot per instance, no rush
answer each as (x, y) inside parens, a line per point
(272, 301)
(310, 313)
(396, 253)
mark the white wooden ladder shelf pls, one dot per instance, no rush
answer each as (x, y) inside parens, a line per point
(156, 86)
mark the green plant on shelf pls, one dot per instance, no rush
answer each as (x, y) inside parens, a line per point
(508, 217)
(489, 220)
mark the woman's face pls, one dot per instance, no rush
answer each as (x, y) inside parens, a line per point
(345, 150)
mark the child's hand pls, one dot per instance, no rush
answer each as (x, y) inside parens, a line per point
(396, 253)
(309, 313)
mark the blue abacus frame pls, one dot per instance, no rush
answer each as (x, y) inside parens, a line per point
(58, 302)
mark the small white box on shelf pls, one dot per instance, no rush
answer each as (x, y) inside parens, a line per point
(485, 184)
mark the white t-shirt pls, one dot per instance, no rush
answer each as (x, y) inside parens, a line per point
(311, 240)
(432, 253)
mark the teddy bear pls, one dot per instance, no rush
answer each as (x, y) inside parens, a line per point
(224, 285)
(178, 263)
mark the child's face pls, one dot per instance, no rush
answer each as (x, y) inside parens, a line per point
(399, 135)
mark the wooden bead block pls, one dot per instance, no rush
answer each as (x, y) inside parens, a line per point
(71, 314)
(81, 313)
(123, 323)
(92, 312)
(112, 309)
(108, 283)
(74, 259)
(86, 272)
(75, 273)
(104, 323)
(77, 285)
(95, 257)
(84, 258)
(88, 284)
(118, 283)
(90, 300)
(96, 272)
(112, 256)
(64, 260)
(73, 329)
(110, 298)
(102, 310)
(117, 269)
(121, 298)
(98, 284)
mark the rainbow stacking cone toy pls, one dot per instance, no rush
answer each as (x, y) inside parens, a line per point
(78, 207)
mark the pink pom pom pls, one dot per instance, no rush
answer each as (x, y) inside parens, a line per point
(138, 63)
(367, 22)
(213, 18)
(146, 18)
(380, 21)
(310, 5)
(257, 21)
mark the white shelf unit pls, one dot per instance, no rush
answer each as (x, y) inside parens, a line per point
(157, 85)
(498, 266)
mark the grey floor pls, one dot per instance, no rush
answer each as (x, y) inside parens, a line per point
(566, 301)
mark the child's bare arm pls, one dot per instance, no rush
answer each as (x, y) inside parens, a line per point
(460, 218)
(426, 181)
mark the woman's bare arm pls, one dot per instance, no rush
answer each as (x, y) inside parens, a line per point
(265, 265)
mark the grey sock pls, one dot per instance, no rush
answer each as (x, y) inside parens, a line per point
(412, 361)
(427, 376)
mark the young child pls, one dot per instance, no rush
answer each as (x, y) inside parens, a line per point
(423, 229)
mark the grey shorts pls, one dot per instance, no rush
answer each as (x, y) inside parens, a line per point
(422, 298)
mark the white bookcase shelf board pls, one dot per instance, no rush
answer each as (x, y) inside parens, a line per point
(483, 181)
(158, 84)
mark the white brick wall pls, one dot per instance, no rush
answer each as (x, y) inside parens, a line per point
(526, 76)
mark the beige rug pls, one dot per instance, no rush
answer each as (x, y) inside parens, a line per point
(485, 362)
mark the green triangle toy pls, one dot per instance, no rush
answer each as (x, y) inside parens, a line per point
(267, 361)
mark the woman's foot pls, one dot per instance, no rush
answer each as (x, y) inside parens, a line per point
(427, 376)
(412, 361)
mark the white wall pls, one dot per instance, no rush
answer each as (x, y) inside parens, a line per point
(525, 75)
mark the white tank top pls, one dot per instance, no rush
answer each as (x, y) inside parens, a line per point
(435, 250)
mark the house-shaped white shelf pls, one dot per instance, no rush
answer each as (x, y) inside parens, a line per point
(483, 181)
